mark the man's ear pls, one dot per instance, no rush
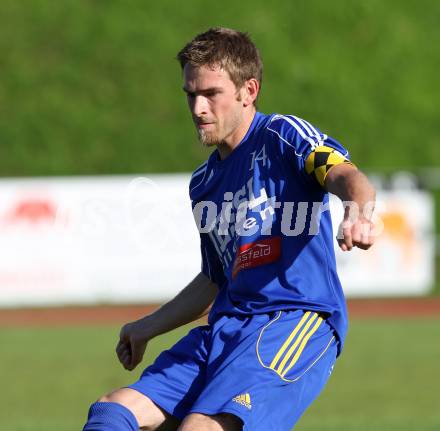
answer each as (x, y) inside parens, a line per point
(251, 88)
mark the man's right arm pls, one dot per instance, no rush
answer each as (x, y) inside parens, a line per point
(191, 303)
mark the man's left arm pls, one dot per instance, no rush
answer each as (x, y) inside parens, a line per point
(357, 193)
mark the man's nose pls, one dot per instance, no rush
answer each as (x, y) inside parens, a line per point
(200, 106)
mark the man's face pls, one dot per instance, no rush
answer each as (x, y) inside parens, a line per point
(214, 102)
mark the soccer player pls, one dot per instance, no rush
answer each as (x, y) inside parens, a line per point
(278, 319)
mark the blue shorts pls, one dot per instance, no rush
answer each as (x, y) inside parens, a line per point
(266, 369)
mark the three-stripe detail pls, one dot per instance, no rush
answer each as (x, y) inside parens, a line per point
(292, 348)
(304, 129)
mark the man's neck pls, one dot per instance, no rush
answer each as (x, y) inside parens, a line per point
(226, 147)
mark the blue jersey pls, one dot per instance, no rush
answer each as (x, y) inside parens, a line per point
(265, 228)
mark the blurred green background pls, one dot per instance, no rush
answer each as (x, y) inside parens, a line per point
(92, 86)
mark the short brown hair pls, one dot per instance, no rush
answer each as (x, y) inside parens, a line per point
(232, 50)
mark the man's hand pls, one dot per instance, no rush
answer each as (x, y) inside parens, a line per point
(357, 233)
(132, 344)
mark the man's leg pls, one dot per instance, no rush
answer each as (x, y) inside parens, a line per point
(126, 410)
(219, 422)
(162, 396)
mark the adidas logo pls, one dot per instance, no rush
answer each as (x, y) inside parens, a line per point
(244, 400)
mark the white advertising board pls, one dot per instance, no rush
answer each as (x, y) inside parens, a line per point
(128, 239)
(96, 239)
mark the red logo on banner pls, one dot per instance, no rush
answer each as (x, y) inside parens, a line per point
(256, 254)
(33, 211)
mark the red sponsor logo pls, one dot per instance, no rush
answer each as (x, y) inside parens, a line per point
(256, 254)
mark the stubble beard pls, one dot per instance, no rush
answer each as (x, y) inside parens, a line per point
(218, 137)
(208, 139)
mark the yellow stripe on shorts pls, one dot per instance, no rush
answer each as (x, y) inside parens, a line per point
(289, 339)
(303, 345)
(289, 353)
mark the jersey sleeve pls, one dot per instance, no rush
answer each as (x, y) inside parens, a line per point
(211, 264)
(313, 153)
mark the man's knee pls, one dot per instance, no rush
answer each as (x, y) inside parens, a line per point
(147, 414)
(125, 396)
(219, 422)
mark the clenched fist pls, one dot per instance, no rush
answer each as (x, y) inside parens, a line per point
(132, 344)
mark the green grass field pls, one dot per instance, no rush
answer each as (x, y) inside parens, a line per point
(386, 380)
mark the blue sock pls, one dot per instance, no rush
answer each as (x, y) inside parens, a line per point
(110, 417)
